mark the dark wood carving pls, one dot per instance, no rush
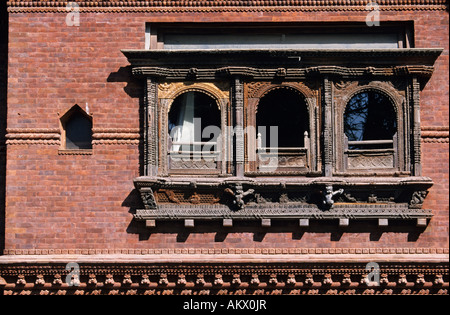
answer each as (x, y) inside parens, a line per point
(326, 180)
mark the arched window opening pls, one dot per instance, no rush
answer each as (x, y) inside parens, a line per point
(77, 129)
(370, 121)
(195, 134)
(282, 125)
(282, 119)
(194, 122)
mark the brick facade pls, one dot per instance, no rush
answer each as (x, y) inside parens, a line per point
(82, 204)
(3, 112)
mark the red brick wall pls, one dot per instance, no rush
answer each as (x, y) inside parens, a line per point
(85, 201)
(3, 92)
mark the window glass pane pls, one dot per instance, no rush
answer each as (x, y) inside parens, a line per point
(281, 41)
(370, 116)
(78, 132)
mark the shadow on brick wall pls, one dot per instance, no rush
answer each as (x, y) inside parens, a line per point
(3, 113)
(134, 88)
(325, 231)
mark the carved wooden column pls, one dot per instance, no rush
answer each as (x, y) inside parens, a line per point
(328, 131)
(238, 104)
(416, 127)
(151, 128)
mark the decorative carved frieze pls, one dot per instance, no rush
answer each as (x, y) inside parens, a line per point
(423, 72)
(240, 199)
(231, 279)
(216, 3)
(281, 212)
(9, 254)
(167, 196)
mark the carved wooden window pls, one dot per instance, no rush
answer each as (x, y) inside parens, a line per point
(370, 132)
(284, 118)
(192, 118)
(282, 131)
(194, 133)
(372, 129)
(354, 131)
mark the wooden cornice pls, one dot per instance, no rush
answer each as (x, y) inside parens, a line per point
(283, 63)
(402, 56)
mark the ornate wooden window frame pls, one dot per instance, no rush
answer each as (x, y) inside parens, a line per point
(343, 92)
(332, 193)
(167, 93)
(254, 92)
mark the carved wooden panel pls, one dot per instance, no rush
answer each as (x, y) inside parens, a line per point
(280, 161)
(370, 161)
(194, 164)
(164, 196)
(217, 90)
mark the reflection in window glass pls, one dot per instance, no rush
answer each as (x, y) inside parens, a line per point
(370, 116)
